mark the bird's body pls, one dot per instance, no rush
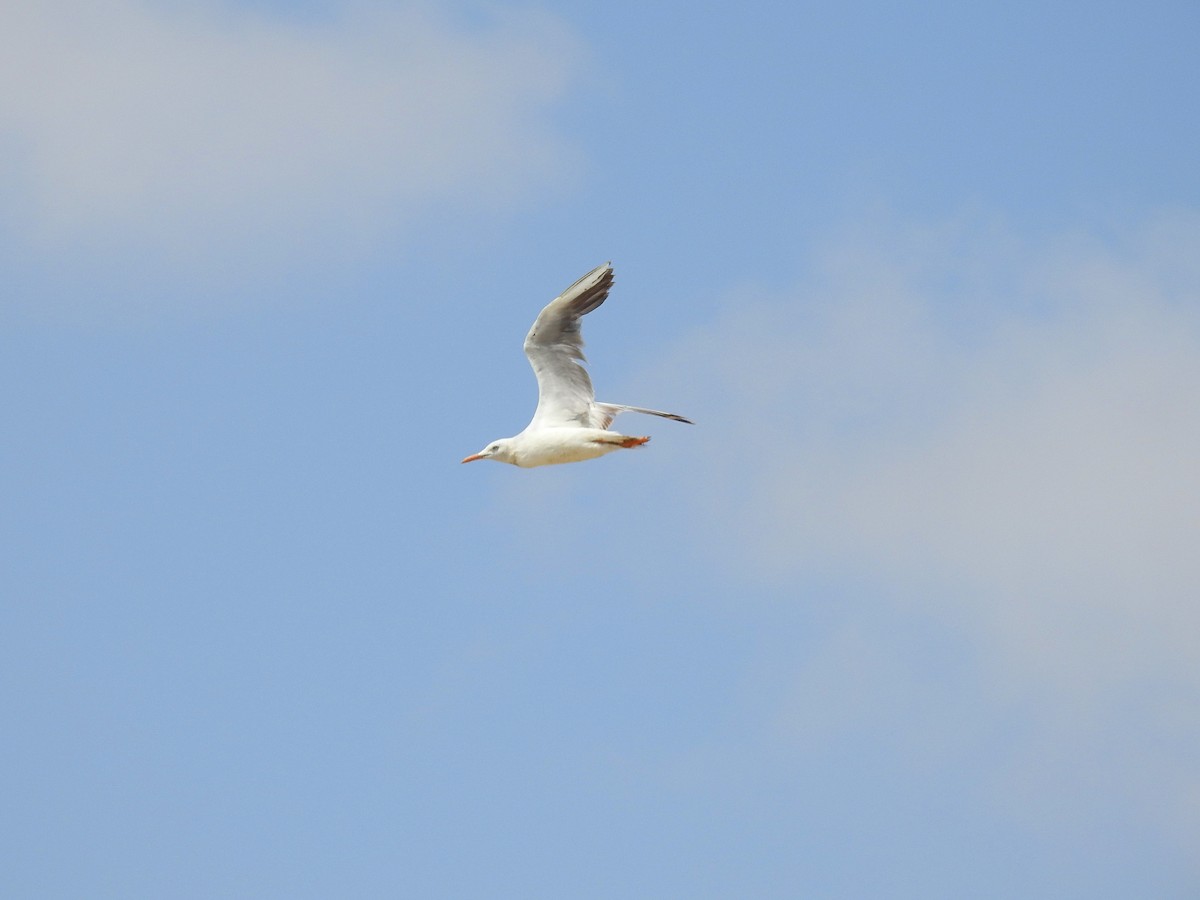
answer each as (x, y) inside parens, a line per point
(568, 424)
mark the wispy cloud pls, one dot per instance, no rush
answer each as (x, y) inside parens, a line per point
(134, 124)
(996, 437)
(1029, 437)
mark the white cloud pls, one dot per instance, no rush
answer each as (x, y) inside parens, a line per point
(138, 124)
(1000, 438)
(1035, 450)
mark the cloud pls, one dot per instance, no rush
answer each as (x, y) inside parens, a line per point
(1029, 439)
(181, 130)
(995, 436)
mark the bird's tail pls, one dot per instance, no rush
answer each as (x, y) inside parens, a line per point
(610, 411)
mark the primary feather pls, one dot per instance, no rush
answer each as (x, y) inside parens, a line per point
(554, 346)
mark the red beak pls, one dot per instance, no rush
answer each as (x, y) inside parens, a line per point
(473, 458)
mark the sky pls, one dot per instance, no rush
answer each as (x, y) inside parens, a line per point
(910, 611)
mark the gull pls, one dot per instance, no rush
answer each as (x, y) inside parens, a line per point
(568, 424)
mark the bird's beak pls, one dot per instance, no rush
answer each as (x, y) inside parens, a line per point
(473, 458)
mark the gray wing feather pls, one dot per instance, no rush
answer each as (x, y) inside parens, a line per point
(604, 413)
(554, 346)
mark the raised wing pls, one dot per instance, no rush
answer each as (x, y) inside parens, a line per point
(554, 346)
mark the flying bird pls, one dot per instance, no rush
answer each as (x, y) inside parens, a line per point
(568, 424)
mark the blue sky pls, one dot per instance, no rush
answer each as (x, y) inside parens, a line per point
(909, 612)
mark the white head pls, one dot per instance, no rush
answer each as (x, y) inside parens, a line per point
(501, 451)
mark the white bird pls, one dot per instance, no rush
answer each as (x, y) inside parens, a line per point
(568, 424)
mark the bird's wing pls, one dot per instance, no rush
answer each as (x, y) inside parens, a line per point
(554, 346)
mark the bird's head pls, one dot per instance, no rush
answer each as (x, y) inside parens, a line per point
(501, 451)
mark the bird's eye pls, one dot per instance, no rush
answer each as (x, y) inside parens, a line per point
(493, 448)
